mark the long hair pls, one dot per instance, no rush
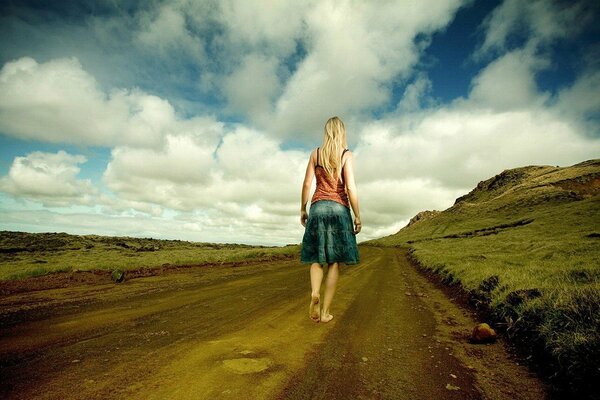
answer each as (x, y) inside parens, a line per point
(334, 142)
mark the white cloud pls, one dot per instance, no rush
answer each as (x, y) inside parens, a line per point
(57, 101)
(182, 160)
(541, 21)
(271, 27)
(458, 147)
(252, 87)
(250, 155)
(354, 50)
(246, 167)
(388, 203)
(164, 31)
(253, 187)
(165, 28)
(433, 155)
(202, 179)
(494, 128)
(50, 178)
(416, 95)
(508, 83)
(117, 206)
(185, 227)
(581, 100)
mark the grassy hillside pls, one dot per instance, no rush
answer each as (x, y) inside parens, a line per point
(25, 254)
(525, 245)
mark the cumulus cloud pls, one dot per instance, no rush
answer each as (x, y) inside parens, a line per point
(245, 180)
(457, 147)
(244, 148)
(580, 102)
(388, 203)
(263, 25)
(183, 159)
(541, 21)
(164, 30)
(434, 154)
(252, 87)
(521, 35)
(283, 70)
(508, 83)
(353, 52)
(447, 152)
(183, 227)
(57, 101)
(417, 95)
(245, 167)
(287, 67)
(50, 178)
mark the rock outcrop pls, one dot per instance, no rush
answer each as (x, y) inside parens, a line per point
(422, 216)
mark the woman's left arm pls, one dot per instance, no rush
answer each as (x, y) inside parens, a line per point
(308, 177)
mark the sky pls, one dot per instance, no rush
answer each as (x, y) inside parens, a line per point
(194, 120)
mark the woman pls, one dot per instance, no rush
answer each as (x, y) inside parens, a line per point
(329, 237)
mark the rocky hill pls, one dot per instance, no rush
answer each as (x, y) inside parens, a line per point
(502, 199)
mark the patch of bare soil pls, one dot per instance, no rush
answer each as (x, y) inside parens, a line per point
(585, 185)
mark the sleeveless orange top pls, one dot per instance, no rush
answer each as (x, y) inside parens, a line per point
(327, 189)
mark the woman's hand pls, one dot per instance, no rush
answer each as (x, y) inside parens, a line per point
(303, 217)
(357, 225)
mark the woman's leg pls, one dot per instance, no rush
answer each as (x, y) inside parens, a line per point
(332, 277)
(316, 277)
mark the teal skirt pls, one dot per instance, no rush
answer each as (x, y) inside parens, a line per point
(329, 235)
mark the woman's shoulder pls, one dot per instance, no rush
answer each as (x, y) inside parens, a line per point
(346, 155)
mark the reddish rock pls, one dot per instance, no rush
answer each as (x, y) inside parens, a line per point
(483, 333)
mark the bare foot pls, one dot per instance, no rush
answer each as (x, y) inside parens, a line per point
(314, 308)
(326, 317)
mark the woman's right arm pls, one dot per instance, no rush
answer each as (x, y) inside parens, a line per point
(351, 190)
(308, 177)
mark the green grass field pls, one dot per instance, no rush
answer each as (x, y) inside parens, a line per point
(525, 245)
(30, 254)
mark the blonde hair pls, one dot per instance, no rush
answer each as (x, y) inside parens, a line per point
(334, 142)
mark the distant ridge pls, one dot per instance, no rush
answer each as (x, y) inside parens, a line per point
(517, 189)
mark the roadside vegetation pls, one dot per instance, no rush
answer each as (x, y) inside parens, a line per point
(525, 247)
(25, 254)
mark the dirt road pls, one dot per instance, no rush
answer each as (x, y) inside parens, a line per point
(244, 332)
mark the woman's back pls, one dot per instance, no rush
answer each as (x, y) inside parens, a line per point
(327, 188)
